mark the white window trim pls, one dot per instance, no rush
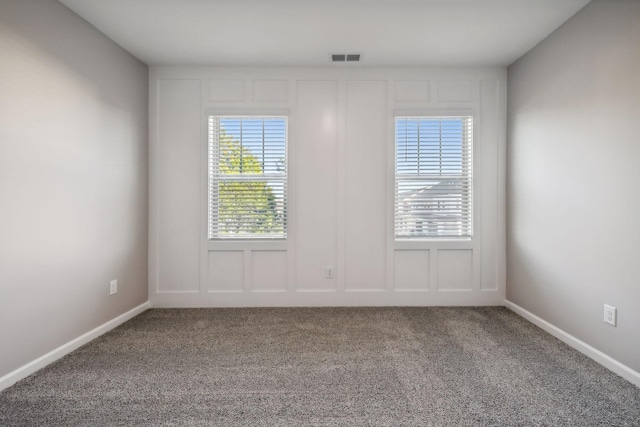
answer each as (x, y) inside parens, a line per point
(434, 242)
(242, 243)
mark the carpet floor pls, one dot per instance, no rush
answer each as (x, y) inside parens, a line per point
(324, 367)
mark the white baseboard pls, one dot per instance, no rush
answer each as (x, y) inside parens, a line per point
(42, 361)
(370, 298)
(584, 348)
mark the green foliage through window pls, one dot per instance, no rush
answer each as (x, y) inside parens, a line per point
(247, 171)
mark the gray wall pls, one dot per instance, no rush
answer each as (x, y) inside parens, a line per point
(73, 179)
(574, 175)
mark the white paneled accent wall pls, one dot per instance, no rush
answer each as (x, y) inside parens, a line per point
(341, 189)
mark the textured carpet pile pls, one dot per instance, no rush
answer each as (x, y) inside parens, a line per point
(324, 367)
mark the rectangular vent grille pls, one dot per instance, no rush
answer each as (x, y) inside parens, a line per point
(341, 57)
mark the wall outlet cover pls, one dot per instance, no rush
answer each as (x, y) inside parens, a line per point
(330, 273)
(610, 313)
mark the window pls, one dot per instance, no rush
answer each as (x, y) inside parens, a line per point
(247, 177)
(433, 177)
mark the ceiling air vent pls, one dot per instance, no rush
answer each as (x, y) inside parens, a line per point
(341, 57)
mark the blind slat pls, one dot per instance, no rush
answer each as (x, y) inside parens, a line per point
(434, 183)
(247, 177)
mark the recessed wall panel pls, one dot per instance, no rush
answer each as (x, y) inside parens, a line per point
(412, 91)
(226, 271)
(489, 105)
(178, 185)
(270, 90)
(365, 185)
(315, 160)
(455, 269)
(455, 91)
(226, 90)
(411, 270)
(269, 270)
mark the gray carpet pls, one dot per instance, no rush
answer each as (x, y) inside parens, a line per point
(324, 367)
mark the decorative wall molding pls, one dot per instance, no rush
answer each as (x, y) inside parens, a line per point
(341, 189)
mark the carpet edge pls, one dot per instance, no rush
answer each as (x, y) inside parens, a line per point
(591, 352)
(35, 365)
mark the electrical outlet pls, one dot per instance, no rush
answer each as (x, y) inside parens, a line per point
(610, 315)
(113, 287)
(330, 273)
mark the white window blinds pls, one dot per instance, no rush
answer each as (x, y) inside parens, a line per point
(433, 177)
(247, 177)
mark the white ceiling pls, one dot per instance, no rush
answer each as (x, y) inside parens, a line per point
(306, 32)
